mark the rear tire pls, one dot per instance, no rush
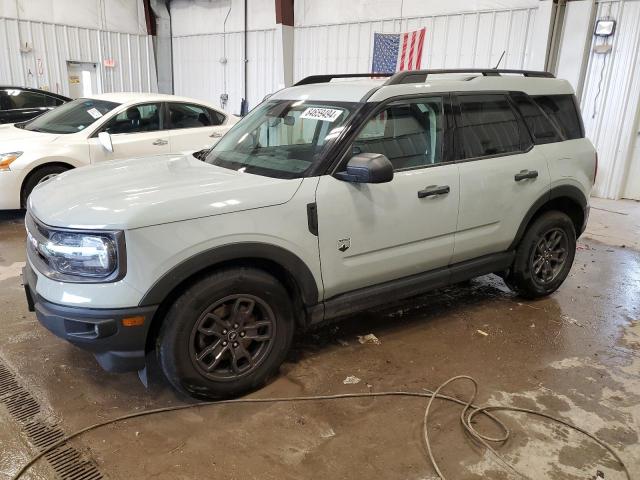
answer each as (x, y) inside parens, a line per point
(544, 256)
(227, 334)
(40, 175)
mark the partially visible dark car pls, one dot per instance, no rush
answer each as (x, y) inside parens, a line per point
(18, 104)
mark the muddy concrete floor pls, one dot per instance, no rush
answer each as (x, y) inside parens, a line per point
(575, 354)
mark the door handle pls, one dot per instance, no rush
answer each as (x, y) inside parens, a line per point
(434, 190)
(216, 135)
(160, 142)
(524, 174)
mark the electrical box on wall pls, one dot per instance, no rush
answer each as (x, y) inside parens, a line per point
(604, 48)
(26, 47)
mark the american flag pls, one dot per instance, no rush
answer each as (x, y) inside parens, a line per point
(393, 52)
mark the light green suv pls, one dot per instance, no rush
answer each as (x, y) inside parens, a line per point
(336, 195)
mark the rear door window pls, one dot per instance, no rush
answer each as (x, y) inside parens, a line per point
(216, 117)
(562, 111)
(538, 122)
(489, 126)
(187, 115)
(26, 99)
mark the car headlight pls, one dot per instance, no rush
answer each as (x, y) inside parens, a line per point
(7, 159)
(75, 255)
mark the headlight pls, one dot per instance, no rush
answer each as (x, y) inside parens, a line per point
(7, 159)
(74, 255)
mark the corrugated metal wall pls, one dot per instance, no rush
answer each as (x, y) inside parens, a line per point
(611, 98)
(53, 45)
(474, 39)
(199, 73)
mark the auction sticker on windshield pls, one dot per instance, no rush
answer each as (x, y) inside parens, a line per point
(94, 112)
(324, 114)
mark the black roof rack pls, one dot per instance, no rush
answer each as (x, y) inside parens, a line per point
(419, 76)
(328, 77)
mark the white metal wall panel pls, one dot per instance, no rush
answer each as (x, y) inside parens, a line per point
(632, 187)
(473, 39)
(199, 73)
(53, 45)
(611, 97)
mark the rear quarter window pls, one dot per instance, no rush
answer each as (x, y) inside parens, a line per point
(562, 111)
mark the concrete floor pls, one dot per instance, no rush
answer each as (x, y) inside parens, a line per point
(575, 354)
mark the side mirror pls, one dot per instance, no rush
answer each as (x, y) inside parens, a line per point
(105, 141)
(367, 168)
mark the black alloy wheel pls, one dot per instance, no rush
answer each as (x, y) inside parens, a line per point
(227, 333)
(232, 337)
(549, 256)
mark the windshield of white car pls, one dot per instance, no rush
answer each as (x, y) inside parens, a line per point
(71, 117)
(281, 138)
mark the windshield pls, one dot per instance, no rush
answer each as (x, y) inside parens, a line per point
(281, 138)
(71, 117)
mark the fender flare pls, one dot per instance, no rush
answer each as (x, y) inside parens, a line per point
(237, 251)
(566, 191)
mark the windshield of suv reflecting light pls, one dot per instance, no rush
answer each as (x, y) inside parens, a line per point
(71, 117)
(281, 138)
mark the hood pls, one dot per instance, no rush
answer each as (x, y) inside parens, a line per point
(135, 193)
(20, 139)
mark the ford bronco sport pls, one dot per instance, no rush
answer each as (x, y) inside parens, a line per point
(333, 196)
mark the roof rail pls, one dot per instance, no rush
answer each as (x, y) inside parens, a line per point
(328, 77)
(419, 76)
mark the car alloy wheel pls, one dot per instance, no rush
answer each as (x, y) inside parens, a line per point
(549, 256)
(232, 337)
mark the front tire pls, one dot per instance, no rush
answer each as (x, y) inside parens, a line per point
(544, 256)
(37, 177)
(227, 334)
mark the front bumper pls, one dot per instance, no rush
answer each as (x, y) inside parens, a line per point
(10, 184)
(117, 348)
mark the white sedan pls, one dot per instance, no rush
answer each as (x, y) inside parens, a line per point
(104, 127)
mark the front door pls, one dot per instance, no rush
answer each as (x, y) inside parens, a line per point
(135, 132)
(373, 233)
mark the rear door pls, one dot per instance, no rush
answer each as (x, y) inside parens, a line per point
(137, 131)
(501, 174)
(194, 127)
(373, 233)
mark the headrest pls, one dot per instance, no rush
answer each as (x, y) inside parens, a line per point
(133, 113)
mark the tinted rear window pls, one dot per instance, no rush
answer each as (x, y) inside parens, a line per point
(562, 111)
(489, 126)
(539, 124)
